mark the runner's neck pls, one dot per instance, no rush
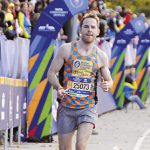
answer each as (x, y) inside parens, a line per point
(85, 48)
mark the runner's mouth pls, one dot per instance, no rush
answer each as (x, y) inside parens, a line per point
(89, 35)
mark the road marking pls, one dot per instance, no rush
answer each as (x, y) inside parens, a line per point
(141, 139)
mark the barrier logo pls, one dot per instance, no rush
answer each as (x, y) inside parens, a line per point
(145, 41)
(129, 32)
(76, 3)
(47, 27)
(121, 41)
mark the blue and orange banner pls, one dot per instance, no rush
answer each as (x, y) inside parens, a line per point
(135, 27)
(13, 93)
(142, 65)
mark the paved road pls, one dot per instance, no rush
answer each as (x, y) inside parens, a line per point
(118, 130)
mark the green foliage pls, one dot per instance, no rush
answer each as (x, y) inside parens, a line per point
(137, 6)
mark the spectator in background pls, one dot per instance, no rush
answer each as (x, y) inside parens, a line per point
(120, 23)
(134, 16)
(130, 86)
(2, 17)
(44, 3)
(111, 22)
(11, 7)
(24, 21)
(16, 9)
(31, 10)
(93, 7)
(15, 14)
(123, 12)
(128, 16)
(102, 6)
(31, 13)
(37, 11)
(3, 24)
(103, 24)
(8, 15)
(7, 20)
(119, 19)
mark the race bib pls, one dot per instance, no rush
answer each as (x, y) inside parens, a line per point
(79, 84)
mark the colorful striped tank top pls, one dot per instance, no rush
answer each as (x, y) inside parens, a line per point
(80, 73)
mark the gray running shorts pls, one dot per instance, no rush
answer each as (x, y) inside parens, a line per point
(68, 119)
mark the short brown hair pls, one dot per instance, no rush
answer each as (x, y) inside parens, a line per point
(90, 15)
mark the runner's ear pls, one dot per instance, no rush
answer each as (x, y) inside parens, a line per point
(98, 32)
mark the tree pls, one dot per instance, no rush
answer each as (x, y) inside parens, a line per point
(137, 6)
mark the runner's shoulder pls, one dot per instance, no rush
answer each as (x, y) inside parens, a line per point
(65, 46)
(101, 53)
(102, 57)
(64, 50)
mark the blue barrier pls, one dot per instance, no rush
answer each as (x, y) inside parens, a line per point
(13, 93)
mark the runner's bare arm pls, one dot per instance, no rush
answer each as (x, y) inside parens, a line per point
(106, 80)
(55, 67)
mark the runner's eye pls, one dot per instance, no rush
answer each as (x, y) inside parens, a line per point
(93, 27)
(86, 26)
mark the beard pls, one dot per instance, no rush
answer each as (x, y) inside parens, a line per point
(88, 39)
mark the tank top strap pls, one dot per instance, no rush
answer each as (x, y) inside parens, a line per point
(95, 48)
(73, 45)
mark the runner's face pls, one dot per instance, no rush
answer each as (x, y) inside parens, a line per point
(89, 30)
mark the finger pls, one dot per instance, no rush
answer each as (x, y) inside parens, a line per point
(60, 96)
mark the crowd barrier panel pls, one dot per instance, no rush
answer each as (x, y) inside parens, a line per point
(14, 56)
(4, 110)
(13, 93)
